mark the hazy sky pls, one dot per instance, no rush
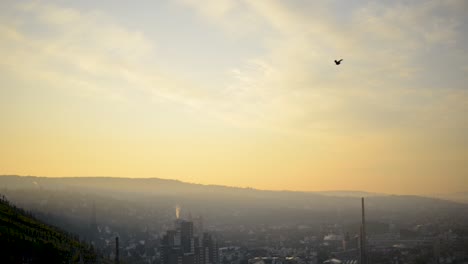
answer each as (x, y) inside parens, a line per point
(241, 93)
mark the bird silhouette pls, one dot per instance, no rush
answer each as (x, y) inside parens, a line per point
(337, 62)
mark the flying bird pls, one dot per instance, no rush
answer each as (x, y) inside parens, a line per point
(337, 62)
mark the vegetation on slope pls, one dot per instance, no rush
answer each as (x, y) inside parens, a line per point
(24, 239)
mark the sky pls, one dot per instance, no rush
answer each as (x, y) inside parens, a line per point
(238, 92)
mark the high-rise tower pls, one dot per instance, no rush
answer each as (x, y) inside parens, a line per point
(186, 234)
(210, 251)
(182, 246)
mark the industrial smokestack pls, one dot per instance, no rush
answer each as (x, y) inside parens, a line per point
(363, 240)
(117, 250)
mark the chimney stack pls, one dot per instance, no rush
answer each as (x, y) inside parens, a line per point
(117, 250)
(363, 240)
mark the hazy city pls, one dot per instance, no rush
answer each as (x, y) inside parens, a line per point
(234, 132)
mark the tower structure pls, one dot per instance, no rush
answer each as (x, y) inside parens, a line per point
(117, 261)
(186, 234)
(210, 249)
(363, 236)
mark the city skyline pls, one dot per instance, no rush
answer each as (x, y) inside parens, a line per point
(238, 93)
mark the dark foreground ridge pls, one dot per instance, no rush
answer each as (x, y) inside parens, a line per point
(24, 239)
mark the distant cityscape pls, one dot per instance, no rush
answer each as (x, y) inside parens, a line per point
(188, 243)
(207, 225)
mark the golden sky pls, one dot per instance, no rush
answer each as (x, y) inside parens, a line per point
(240, 93)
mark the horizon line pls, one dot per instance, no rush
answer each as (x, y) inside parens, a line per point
(373, 193)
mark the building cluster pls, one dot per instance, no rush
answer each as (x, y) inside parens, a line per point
(185, 242)
(186, 245)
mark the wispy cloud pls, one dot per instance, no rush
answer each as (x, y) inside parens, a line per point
(86, 53)
(293, 86)
(383, 47)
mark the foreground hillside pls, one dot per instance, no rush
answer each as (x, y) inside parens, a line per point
(24, 239)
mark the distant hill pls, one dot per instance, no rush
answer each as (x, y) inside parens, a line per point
(460, 197)
(340, 193)
(219, 204)
(24, 239)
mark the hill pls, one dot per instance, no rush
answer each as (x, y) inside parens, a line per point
(24, 239)
(221, 203)
(461, 197)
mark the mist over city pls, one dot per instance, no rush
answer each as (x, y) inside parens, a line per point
(241, 225)
(234, 132)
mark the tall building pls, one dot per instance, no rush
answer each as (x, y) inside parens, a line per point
(210, 249)
(187, 240)
(180, 246)
(171, 248)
